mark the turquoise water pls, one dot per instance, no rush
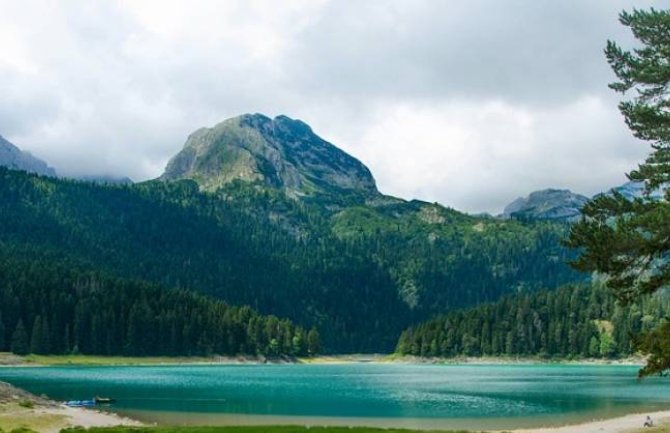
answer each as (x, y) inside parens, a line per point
(544, 394)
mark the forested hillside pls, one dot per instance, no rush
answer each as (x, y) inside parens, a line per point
(359, 272)
(48, 308)
(574, 321)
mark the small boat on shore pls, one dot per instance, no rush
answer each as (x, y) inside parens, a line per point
(104, 400)
(90, 403)
(80, 403)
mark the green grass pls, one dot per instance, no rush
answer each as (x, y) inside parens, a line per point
(656, 429)
(19, 430)
(111, 360)
(243, 429)
(13, 416)
(93, 360)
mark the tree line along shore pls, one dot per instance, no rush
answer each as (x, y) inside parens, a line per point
(107, 321)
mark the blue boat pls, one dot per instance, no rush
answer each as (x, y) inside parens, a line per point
(80, 403)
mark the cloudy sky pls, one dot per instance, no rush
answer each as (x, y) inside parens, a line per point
(470, 104)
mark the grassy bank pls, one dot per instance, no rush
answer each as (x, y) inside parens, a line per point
(110, 360)
(15, 416)
(503, 360)
(246, 429)
(8, 359)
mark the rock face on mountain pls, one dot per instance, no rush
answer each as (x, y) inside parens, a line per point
(282, 153)
(549, 204)
(16, 159)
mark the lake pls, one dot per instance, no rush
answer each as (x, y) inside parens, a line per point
(420, 396)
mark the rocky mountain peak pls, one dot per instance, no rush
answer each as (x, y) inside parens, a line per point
(282, 153)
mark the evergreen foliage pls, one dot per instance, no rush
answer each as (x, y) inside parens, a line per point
(40, 339)
(579, 321)
(3, 331)
(358, 271)
(628, 240)
(313, 344)
(20, 339)
(90, 313)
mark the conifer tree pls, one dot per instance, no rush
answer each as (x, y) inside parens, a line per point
(66, 339)
(40, 340)
(576, 321)
(37, 336)
(20, 344)
(625, 240)
(2, 334)
(313, 344)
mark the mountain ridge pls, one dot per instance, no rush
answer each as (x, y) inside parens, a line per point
(565, 205)
(547, 204)
(14, 158)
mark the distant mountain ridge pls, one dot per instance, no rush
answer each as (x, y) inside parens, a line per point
(547, 204)
(281, 153)
(565, 205)
(14, 158)
(107, 180)
(632, 190)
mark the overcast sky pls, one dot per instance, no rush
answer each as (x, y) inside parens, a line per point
(470, 104)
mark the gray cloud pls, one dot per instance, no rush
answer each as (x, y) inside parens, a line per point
(469, 104)
(528, 51)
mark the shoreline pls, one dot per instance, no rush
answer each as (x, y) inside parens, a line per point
(10, 360)
(21, 409)
(64, 417)
(498, 360)
(81, 417)
(49, 417)
(626, 423)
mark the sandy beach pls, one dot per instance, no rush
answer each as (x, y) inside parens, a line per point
(73, 416)
(51, 419)
(19, 408)
(624, 424)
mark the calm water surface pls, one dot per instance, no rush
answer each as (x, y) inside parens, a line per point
(475, 396)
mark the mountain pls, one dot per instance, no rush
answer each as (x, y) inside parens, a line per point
(16, 159)
(565, 205)
(281, 153)
(312, 241)
(107, 180)
(547, 204)
(632, 190)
